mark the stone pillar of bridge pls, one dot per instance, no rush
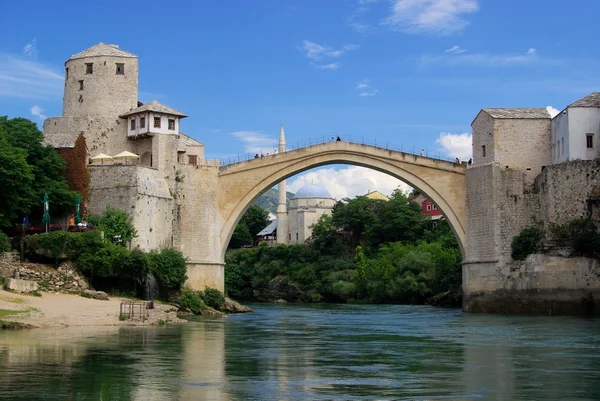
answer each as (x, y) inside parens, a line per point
(282, 215)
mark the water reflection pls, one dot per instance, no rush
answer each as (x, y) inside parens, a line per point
(311, 352)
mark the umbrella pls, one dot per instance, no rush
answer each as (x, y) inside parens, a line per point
(77, 209)
(101, 157)
(126, 155)
(46, 217)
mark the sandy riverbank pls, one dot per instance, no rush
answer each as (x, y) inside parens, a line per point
(60, 310)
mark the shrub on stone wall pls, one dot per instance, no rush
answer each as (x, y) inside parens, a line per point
(4, 242)
(114, 222)
(168, 267)
(528, 241)
(581, 235)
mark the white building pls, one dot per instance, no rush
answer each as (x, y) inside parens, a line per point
(575, 130)
(306, 207)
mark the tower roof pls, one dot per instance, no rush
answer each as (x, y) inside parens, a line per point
(156, 107)
(102, 49)
(312, 191)
(591, 100)
(518, 113)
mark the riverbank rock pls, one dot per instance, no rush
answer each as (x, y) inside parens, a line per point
(232, 306)
(95, 295)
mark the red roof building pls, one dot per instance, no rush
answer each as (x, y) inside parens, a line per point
(427, 206)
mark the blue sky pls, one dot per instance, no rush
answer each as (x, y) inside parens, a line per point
(411, 72)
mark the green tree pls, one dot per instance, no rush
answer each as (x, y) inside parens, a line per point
(168, 266)
(252, 222)
(16, 181)
(114, 222)
(256, 219)
(20, 138)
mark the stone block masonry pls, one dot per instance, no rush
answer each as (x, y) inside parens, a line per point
(501, 203)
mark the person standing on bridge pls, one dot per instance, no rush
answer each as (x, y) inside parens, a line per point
(338, 139)
(422, 152)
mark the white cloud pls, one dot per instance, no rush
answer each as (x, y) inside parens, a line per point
(30, 49)
(455, 50)
(456, 145)
(37, 111)
(316, 52)
(347, 182)
(487, 59)
(363, 84)
(531, 51)
(553, 112)
(371, 93)
(439, 17)
(256, 142)
(29, 79)
(366, 88)
(330, 66)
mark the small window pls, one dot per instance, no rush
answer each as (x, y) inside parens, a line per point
(589, 141)
(562, 146)
(192, 159)
(483, 150)
(66, 73)
(142, 122)
(120, 69)
(296, 236)
(428, 207)
(433, 207)
(133, 124)
(290, 237)
(171, 124)
(81, 85)
(156, 122)
(89, 68)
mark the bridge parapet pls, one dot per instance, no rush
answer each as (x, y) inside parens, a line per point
(359, 140)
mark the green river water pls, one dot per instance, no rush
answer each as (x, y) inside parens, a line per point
(311, 352)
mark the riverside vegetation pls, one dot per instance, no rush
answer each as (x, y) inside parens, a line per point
(368, 251)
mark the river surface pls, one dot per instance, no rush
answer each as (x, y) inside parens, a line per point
(305, 352)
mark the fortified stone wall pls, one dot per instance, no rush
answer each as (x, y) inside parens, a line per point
(541, 284)
(500, 204)
(569, 191)
(200, 225)
(523, 144)
(142, 192)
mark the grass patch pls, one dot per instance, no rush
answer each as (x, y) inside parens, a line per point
(11, 312)
(4, 325)
(12, 300)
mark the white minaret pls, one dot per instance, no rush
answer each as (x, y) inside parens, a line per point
(282, 216)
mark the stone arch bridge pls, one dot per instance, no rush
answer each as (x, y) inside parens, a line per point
(213, 200)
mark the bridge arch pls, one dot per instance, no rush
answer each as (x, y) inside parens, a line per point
(242, 183)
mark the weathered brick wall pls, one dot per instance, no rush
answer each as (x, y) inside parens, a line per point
(523, 144)
(114, 185)
(481, 217)
(483, 127)
(568, 191)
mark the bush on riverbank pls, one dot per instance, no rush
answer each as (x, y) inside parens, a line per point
(110, 267)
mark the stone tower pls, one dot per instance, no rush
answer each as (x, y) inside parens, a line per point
(101, 83)
(282, 216)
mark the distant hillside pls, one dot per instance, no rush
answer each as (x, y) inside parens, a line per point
(269, 200)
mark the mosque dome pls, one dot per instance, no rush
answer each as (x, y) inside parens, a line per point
(312, 191)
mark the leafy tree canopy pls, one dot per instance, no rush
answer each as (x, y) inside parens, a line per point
(114, 222)
(252, 222)
(28, 170)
